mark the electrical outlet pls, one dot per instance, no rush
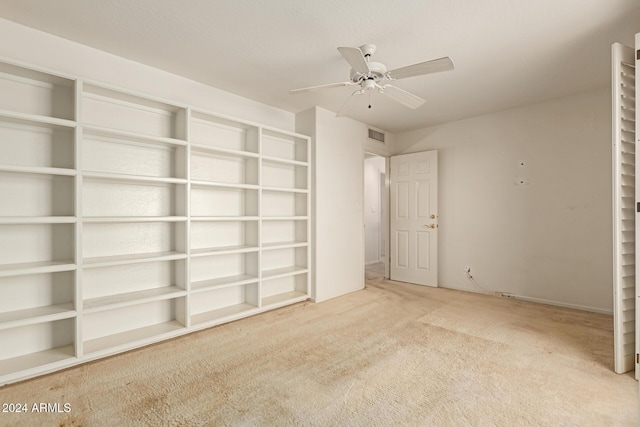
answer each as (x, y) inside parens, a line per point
(467, 269)
(503, 295)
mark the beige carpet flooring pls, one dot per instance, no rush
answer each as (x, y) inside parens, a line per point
(374, 271)
(390, 355)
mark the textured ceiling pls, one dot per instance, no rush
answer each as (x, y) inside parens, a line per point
(507, 52)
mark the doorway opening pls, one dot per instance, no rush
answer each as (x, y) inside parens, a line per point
(376, 219)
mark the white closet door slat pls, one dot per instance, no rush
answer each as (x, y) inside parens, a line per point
(624, 197)
(635, 72)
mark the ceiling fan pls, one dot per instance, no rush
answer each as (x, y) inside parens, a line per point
(370, 75)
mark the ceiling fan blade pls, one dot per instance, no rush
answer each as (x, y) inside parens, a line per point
(427, 67)
(320, 87)
(355, 58)
(342, 111)
(402, 96)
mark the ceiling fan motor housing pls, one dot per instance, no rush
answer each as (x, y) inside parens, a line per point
(377, 70)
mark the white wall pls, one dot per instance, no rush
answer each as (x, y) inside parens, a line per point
(338, 151)
(525, 200)
(373, 167)
(36, 48)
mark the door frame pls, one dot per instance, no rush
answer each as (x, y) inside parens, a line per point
(387, 254)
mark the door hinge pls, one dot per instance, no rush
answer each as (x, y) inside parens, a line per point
(637, 359)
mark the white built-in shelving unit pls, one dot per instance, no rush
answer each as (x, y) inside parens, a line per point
(125, 220)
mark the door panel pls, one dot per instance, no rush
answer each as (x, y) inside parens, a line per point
(402, 245)
(424, 244)
(402, 208)
(413, 218)
(422, 198)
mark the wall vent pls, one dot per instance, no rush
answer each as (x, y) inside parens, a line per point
(375, 135)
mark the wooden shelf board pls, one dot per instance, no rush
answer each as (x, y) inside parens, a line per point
(132, 178)
(286, 190)
(287, 161)
(210, 316)
(132, 258)
(112, 219)
(284, 298)
(224, 218)
(30, 316)
(37, 170)
(209, 184)
(35, 360)
(38, 220)
(130, 338)
(36, 267)
(223, 282)
(285, 218)
(211, 149)
(92, 129)
(131, 298)
(284, 245)
(223, 250)
(34, 118)
(283, 272)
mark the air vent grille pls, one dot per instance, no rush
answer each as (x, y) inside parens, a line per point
(375, 135)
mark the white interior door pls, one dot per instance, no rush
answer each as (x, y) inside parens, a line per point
(414, 218)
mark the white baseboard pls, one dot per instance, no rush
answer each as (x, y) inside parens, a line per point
(564, 304)
(371, 262)
(537, 300)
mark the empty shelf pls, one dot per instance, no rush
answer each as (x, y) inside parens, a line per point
(284, 245)
(37, 220)
(213, 315)
(283, 272)
(36, 267)
(30, 316)
(133, 178)
(38, 170)
(36, 360)
(131, 338)
(223, 282)
(107, 219)
(132, 298)
(223, 250)
(132, 258)
(285, 297)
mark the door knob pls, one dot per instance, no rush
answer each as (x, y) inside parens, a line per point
(430, 225)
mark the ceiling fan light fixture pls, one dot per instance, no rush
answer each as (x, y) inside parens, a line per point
(369, 84)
